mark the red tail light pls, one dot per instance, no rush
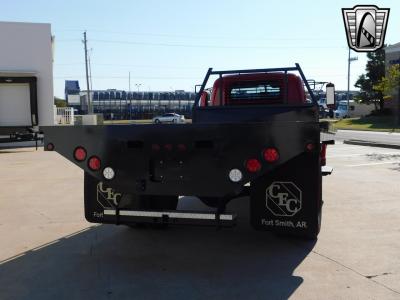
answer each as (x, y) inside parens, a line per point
(94, 163)
(182, 147)
(323, 154)
(155, 147)
(310, 147)
(168, 147)
(271, 155)
(80, 154)
(50, 147)
(253, 165)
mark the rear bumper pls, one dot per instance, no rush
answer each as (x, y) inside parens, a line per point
(175, 217)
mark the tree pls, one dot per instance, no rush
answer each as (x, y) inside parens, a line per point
(389, 83)
(60, 102)
(366, 93)
(375, 70)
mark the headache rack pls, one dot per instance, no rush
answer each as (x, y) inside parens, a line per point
(285, 70)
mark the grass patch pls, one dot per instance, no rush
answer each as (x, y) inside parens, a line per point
(372, 123)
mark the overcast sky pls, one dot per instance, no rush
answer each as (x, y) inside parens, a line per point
(168, 45)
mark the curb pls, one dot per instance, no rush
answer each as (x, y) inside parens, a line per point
(371, 144)
(367, 130)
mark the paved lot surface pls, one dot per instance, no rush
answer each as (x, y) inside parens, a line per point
(371, 136)
(48, 251)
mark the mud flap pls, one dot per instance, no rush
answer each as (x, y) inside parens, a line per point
(99, 197)
(289, 199)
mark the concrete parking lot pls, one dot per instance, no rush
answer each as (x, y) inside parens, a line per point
(49, 251)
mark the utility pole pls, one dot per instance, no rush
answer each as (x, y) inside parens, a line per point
(350, 59)
(90, 72)
(138, 86)
(90, 109)
(129, 81)
(130, 98)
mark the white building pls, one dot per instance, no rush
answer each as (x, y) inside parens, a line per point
(26, 73)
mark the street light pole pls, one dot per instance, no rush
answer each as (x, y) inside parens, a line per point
(129, 81)
(350, 59)
(130, 98)
(138, 85)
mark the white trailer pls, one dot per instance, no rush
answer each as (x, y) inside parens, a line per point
(26, 79)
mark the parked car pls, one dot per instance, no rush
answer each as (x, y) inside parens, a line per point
(341, 111)
(323, 112)
(355, 109)
(322, 102)
(169, 118)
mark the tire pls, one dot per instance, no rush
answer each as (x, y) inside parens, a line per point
(157, 121)
(174, 120)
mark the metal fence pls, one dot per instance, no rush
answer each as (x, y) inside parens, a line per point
(121, 105)
(63, 115)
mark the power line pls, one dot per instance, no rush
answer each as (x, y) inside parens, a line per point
(124, 77)
(130, 66)
(202, 46)
(213, 46)
(236, 37)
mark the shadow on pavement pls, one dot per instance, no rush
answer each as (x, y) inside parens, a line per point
(117, 262)
(16, 150)
(382, 157)
(396, 168)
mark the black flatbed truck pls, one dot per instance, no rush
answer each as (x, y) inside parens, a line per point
(254, 134)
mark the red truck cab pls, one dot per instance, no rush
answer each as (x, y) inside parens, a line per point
(255, 89)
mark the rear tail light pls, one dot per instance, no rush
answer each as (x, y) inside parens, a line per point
(310, 147)
(94, 163)
(271, 155)
(235, 175)
(182, 147)
(323, 154)
(108, 173)
(253, 165)
(50, 147)
(80, 154)
(155, 147)
(168, 147)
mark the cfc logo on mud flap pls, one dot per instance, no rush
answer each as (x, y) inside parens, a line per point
(283, 199)
(107, 197)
